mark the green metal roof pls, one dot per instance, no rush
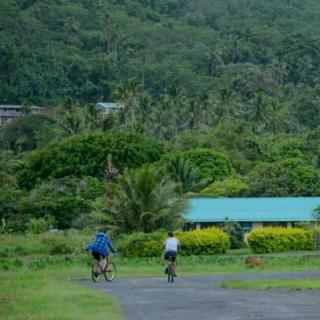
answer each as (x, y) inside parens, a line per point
(252, 209)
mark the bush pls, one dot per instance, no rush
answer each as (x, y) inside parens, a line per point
(63, 199)
(229, 187)
(203, 242)
(43, 244)
(64, 243)
(279, 239)
(37, 226)
(88, 156)
(142, 244)
(235, 232)
(197, 242)
(288, 177)
(60, 248)
(211, 164)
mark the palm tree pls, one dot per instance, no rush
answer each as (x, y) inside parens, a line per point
(9, 166)
(193, 115)
(185, 175)
(173, 107)
(7, 179)
(146, 104)
(260, 109)
(71, 124)
(225, 106)
(128, 95)
(145, 201)
(160, 126)
(278, 116)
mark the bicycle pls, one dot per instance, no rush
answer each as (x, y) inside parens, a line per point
(169, 270)
(109, 275)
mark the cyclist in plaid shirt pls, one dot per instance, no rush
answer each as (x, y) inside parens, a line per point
(100, 248)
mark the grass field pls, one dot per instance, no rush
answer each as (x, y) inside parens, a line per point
(39, 274)
(291, 284)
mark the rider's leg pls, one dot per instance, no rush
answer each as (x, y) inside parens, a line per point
(165, 262)
(103, 263)
(174, 264)
(98, 258)
(107, 263)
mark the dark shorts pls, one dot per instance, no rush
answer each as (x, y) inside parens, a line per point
(98, 256)
(170, 254)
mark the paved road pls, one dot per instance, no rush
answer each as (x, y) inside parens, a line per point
(200, 298)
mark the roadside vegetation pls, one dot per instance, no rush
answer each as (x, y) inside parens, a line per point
(291, 284)
(47, 294)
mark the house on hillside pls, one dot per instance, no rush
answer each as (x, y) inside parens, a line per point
(10, 112)
(251, 213)
(105, 108)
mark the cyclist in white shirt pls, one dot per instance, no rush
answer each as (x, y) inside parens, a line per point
(172, 246)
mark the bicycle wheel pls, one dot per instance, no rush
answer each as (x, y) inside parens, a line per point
(110, 275)
(95, 274)
(170, 273)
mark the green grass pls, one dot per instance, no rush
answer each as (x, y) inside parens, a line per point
(45, 294)
(291, 284)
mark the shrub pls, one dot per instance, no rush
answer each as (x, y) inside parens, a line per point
(229, 187)
(19, 250)
(60, 248)
(36, 226)
(59, 243)
(288, 177)
(235, 232)
(63, 199)
(203, 242)
(278, 239)
(211, 164)
(142, 244)
(88, 156)
(4, 253)
(197, 242)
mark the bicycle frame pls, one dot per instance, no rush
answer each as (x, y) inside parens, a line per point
(170, 270)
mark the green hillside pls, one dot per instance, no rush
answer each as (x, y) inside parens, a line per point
(51, 50)
(220, 98)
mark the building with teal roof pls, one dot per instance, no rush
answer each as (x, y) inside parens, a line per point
(251, 213)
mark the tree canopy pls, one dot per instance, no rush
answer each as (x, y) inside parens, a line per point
(218, 98)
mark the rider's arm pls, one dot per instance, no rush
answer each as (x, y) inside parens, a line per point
(112, 248)
(164, 245)
(179, 246)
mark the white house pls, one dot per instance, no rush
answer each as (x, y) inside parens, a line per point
(107, 107)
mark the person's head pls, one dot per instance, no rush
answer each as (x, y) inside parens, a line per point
(170, 234)
(103, 230)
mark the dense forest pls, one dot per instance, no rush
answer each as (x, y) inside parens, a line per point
(221, 98)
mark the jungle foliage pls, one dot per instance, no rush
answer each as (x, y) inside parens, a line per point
(219, 98)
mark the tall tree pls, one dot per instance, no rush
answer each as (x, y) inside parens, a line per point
(128, 95)
(145, 201)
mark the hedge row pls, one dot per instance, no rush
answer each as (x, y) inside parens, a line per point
(279, 239)
(206, 242)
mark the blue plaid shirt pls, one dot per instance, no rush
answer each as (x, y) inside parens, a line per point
(102, 244)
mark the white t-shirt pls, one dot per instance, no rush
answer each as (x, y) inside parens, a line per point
(172, 244)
